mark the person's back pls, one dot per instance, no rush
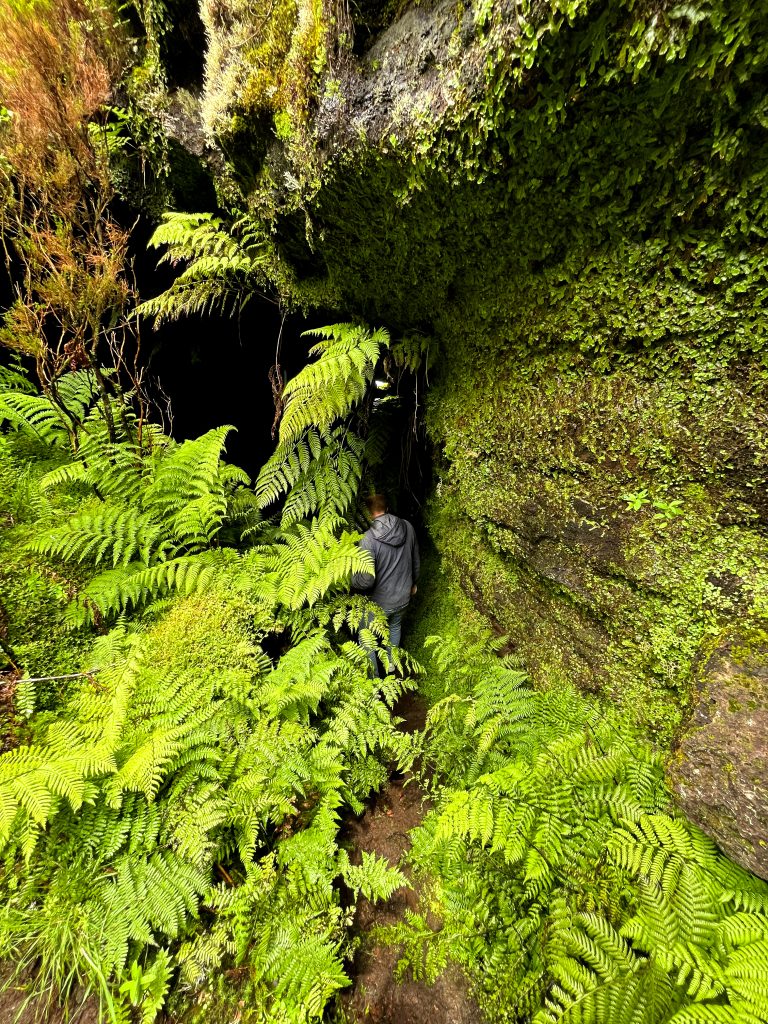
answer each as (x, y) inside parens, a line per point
(395, 550)
(392, 542)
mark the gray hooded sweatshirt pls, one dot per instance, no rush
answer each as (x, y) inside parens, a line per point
(395, 550)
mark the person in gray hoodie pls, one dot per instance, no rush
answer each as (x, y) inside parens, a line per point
(392, 542)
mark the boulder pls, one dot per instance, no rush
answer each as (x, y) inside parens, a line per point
(720, 770)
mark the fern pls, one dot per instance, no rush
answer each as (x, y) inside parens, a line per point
(306, 564)
(186, 754)
(556, 855)
(61, 422)
(319, 462)
(223, 265)
(166, 765)
(321, 471)
(326, 390)
(163, 511)
(35, 415)
(14, 377)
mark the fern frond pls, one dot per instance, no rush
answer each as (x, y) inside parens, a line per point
(35, 415)
(116, 533)
(71, 472)
(328, 389)
(224, 264)
(120, 590)
(373, 877)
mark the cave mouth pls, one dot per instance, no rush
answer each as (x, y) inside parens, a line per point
(214, 370)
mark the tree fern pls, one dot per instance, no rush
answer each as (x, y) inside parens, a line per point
(58, 418)
(321, 471)
(35, 415)
(306, 563)
(163, 510)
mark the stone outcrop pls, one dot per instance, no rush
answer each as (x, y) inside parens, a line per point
(416, 69)
(720, 770)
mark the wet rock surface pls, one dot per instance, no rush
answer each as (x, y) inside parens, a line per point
(428, 60)
(403, 72)
(720, 772)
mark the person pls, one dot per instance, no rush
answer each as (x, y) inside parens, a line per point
(395, 550)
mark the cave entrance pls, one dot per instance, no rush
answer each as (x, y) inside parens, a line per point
(216, 369)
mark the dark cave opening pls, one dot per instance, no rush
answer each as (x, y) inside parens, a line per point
(214, 367)
(214, 370)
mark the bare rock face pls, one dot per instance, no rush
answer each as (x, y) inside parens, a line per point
(720, 773)
(416, 69)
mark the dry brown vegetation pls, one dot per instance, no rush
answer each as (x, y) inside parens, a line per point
(58, 60)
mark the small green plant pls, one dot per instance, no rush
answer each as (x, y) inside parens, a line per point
(146, 989)
(636, 499)
(666, 511)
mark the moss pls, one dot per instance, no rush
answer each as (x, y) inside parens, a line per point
(579, 229)
(263, 78)
(533, 513)
(438, 610)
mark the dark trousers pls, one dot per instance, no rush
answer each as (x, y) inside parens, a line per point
(395, 623)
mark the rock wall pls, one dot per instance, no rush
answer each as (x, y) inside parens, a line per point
(720, 769)
(565, 203)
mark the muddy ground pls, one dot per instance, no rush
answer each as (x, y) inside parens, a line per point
(375, 997)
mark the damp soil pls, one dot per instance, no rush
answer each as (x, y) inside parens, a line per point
(17, 1008)
(375, 997)
(8, 719)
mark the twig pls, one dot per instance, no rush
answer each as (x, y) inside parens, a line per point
(275, 376)
(226, 876)
(48, 679)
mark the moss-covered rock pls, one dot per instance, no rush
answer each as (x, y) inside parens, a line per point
(720, 771)
(606, 521)
(569, 200)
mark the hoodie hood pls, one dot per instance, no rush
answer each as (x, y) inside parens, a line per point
(389, 530)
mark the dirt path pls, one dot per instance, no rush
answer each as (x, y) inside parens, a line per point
(375, 997)
(8, 719)
(17, 1008)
